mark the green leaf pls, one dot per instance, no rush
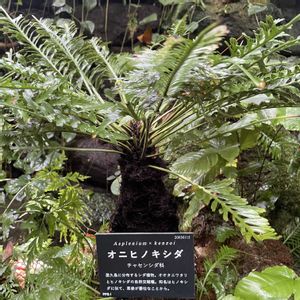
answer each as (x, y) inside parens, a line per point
(229, 152)
(116, 185)
(179, 27)
(292, 120)
(149, 19)
(88, 25)
(246, 217)
(198, 201)
(297, 289)
(248, 138)
(59, 3)
(255, 9)
(90, 4)
(272, 283)
(195, 162)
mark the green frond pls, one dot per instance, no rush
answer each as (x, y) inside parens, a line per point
(66, 46)
(185, 56)
(194, 163)
(108, 66)
(223, 256)
(22, 30)
(52, 49)
(179, 27)
(221, 259)
(220, 197)
(292, 240)
(165, 72)
(270, 37)
(271, 143)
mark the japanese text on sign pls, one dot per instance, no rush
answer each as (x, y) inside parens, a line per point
(146, 265)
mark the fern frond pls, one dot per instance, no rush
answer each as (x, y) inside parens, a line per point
(107, 66)
(248, 218)
(67, 44)
(55, 49)
(167, 70)
(220, 197)
(179, 27)
(272, 145)
(194, 163)
(269, 38)
(221, 259)
(185, 56)
(292, 240)
(23, 31)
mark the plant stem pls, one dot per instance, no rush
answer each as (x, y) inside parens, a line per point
(15, 197)
(106, 20)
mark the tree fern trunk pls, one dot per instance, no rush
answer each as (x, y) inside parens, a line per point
(145, 204)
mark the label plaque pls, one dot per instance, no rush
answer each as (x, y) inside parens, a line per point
(158, 265)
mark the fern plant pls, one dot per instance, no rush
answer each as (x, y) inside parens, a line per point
(213, 267)
(182, 98)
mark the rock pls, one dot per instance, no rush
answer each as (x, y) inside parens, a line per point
(97, 165)
(119, 16)
(233, 13)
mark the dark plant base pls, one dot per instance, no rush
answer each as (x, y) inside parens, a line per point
(145, 205)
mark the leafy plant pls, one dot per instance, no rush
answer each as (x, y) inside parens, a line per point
(213, 270)
(277, 282)
(38, 280)
(292, 239)
(141, 104)
(51, 211)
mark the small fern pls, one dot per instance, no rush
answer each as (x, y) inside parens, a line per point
(224, 256)
(292, 240)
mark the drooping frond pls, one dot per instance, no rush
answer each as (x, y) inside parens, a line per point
(61, 73)
(64, 53)
(52, 49)
(220, 197)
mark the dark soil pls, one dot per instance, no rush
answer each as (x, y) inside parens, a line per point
(258, 256)
(254, 256)
(145, 204)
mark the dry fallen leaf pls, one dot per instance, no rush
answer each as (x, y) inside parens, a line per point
(8, 251)
(146, 37)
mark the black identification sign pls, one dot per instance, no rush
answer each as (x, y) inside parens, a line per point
(158, 265)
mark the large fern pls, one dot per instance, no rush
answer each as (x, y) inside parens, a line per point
(70, 84)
